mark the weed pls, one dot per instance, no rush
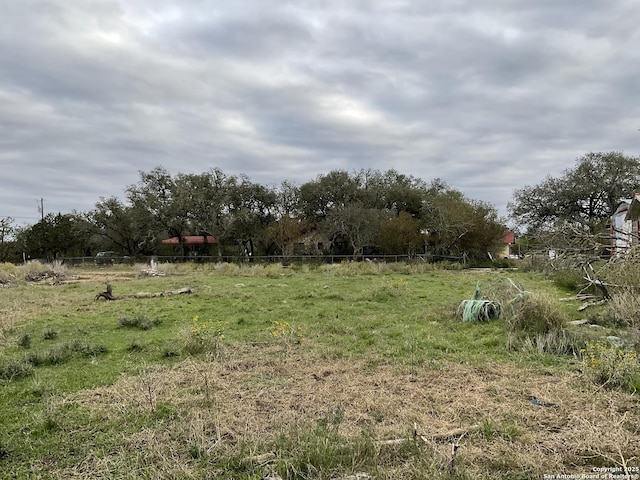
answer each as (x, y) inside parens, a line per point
(388, 290)
(49, 333)
(88, 350)
(170, 350)
(204, 336)
(55, 355)
(488, 429)
(140, 322)
(25, 341)
(63, 352)
(285, 334)
(135, 346)
(611, 365)
(14, 368)
(535, 322)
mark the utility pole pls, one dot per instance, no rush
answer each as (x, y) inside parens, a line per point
(41, 207)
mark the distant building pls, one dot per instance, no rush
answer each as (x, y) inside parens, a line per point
(508, 239)
(192, 245)
(624, 226)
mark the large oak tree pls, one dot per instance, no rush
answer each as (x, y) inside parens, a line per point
(584, 196)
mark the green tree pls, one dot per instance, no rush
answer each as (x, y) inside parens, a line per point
(54, 237)
(401, 235)
(584, 197)
(287, 231)
(125, 228)
(391, 191)
(457, 225)
(159, 195)
(251, 209)
(7, 243)
(326, 193)
(358, 225)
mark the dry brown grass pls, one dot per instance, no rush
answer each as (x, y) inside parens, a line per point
(254, 394)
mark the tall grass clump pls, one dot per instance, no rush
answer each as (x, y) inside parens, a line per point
(537, 313)
(34, 270)
(227, 269)
(624, 308)
(15, 368)
(536, 323)
(140, 322)
(7, 273)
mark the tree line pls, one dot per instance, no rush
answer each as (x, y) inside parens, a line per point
(342, 213)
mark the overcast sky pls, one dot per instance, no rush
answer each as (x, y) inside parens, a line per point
(487, 95)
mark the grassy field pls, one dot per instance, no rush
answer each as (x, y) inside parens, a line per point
(296, 373)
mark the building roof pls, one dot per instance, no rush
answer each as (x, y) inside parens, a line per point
(509, 237)
(191, 240)
(633, 213)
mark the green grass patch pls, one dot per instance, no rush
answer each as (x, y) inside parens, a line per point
(150, 387)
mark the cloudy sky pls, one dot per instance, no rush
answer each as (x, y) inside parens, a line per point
(487, 95)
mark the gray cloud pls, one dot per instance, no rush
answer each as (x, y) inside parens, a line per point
(489, 96)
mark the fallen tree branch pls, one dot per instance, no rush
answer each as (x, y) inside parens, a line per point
(108, 295)
(591, 304)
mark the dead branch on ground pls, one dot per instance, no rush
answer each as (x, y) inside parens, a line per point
(108, 294)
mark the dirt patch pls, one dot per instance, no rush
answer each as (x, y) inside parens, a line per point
(99, 277)
(255, 392)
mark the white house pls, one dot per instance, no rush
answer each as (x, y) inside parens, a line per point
(624, 226)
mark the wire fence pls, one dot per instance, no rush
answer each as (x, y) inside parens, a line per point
(264, 259)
